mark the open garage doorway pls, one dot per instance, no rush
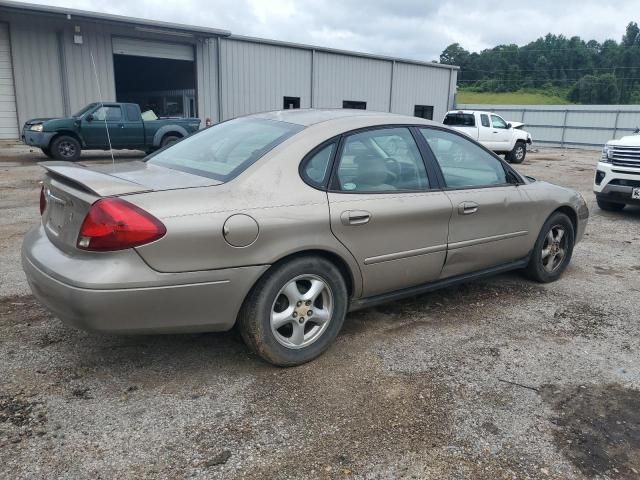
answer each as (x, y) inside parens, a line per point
(165, 85)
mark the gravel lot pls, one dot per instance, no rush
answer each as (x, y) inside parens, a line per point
(500, 378)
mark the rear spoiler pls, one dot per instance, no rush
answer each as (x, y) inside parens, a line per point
(101, 184)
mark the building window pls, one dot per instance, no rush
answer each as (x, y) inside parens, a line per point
(290, 103)
(354, 104)
(423, 111)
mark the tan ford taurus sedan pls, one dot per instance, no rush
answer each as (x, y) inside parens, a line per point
(282, 222)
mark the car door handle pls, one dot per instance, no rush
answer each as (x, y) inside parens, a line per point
(467, 208)
(495, 131)
(355, 217)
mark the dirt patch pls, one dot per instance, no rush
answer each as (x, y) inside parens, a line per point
(330, 422)
(598, 428)
(582, 319)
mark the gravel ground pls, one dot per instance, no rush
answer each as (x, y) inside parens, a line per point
(501, 378)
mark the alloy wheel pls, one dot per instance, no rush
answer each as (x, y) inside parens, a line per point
(67, 149)
(301, 311)
(554, 248)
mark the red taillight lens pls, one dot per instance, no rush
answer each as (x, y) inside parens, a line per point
(43, 200)
(114, 224)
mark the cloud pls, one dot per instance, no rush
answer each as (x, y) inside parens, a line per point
(418, 29)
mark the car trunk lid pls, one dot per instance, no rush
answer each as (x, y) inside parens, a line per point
(71, 188)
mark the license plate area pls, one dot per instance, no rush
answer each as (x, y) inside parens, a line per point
(635, 193)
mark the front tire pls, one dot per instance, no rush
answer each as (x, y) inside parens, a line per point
(610, 206)
(552, 250)
(518, 154)
(66, 148)
(295, 311)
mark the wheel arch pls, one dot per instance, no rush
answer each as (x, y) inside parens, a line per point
(66, 133)
(175, 130)
(569, 212)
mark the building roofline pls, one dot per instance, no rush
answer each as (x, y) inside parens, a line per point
(168, 27)
(351, 53)
(163, 27)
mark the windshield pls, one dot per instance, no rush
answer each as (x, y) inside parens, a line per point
(225, 150)
(84, 110)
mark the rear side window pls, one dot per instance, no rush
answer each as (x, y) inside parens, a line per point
(484, 118)
(460, 120)
(133, 113)
(463, 163)
(315, 170)
(225, 150)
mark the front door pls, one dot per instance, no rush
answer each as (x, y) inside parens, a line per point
(489, 223)
(95, 125)
(384, 210)
(501, 134)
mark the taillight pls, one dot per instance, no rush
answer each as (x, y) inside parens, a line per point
(43, 200)
(114, 224)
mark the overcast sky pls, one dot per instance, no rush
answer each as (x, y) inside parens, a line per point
(418, 29)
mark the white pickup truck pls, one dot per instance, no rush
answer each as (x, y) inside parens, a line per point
(617, 179)
(492, 131)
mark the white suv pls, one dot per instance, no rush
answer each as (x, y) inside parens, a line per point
(617, 179)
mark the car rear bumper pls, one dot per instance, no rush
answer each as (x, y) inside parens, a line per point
(124, 295)
(37, 139)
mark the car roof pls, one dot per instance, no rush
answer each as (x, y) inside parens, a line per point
(471, 112)
(312, 116)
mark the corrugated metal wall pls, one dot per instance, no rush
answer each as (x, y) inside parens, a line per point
(8, 115)
(79, 74)
(36, 66)
(207, 79)
(417, 85)
(256, 77)
(588, 126)
(341, 77)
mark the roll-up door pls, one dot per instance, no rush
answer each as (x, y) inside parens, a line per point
(151, 48)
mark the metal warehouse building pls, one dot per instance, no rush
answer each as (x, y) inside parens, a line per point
(47, 56)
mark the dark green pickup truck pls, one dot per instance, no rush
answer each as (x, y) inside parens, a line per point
(65, 138)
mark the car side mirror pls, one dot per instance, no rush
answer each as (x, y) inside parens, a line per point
(509, 126)
(89, 118)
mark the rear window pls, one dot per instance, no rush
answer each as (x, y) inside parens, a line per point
(460, 120)
(225, 150)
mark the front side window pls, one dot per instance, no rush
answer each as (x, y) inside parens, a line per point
(109, 113)
(384, 160)
(225, 150)
(463, 163)
(316, 169)
(460, 120)
(498, 122)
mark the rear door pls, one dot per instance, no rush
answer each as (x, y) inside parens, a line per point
(386, 208)
(490, 220)
(133, 133)
(485, 132)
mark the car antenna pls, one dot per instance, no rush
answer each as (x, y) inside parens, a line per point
(106, 125)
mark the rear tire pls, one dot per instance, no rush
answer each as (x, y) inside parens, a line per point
(518, 154)
(610, 206)
(66, 148)
(169, 139)
(47, 152)
(552, 250)
(295, 311)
